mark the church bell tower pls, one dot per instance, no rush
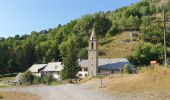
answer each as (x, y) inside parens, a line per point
(93, 55)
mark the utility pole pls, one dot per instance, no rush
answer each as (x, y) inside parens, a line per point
(164, 29)
(165, 48)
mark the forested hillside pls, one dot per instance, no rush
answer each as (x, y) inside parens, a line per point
(20, 52)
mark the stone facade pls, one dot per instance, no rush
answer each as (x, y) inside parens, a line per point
(92, 55)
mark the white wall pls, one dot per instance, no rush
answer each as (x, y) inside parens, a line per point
(82, 73)
(37, 74)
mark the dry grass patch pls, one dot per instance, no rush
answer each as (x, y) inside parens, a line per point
(152, 84)
(18, 96)
(6, 79)
(86, 79)
(121, 45)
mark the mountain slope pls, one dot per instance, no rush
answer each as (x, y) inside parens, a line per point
(112, 28)
(118, 46)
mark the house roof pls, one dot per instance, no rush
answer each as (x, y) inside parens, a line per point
(107, 64)
(34, 68)
(53, 66)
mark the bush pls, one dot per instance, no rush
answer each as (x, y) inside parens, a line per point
(101, 53)
(146, 52)
(104, 41)
(126, 40)
(48, 79)
(27, 78)
(83, 53)
(56, 83)
(37, 80)
(126, 69)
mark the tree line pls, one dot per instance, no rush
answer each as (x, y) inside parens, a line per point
(18, 53)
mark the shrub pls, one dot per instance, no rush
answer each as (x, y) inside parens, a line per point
(104, 41)
(27, 78)
(108, 35)
(126, 69)
(48, 79)
(37, 80)
(168, 61)
(57, 83)
(126, 40)
(101, 53)
(83, 54)
(146, 52)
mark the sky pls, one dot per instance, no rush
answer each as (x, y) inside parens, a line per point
(24, 16)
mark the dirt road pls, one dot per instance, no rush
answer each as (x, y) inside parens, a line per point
(84, 91)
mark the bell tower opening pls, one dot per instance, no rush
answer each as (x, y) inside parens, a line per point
(92, 45)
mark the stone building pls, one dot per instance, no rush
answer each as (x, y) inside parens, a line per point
(92, 55)
(94, 65)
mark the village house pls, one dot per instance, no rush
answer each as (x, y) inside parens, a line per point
(37, 68)
(54, 69)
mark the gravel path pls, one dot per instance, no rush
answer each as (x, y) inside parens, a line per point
(84, 91)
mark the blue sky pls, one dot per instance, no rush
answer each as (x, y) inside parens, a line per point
(23, 16)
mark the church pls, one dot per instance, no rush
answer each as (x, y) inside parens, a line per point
(94, 65)
(89, 67)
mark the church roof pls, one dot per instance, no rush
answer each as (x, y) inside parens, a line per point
(108, 64)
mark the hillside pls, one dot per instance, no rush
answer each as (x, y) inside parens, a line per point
(158, 3)
(112, 28)
(118, 46)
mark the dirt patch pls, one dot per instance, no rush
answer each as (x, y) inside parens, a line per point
(18, 96)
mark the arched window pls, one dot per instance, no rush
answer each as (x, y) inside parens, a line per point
(92, 45)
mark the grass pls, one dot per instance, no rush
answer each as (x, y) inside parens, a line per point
(1, 97)
(86, 79)
(18, 96)
(54, 83)
(149, 84)
(7, 77)
(2, 86)
(117, 46)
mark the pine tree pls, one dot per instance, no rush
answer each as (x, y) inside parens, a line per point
(70, 58)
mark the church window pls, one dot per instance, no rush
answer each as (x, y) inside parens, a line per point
(92, 45)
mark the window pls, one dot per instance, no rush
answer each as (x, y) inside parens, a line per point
(85, 69)
(92, 45)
